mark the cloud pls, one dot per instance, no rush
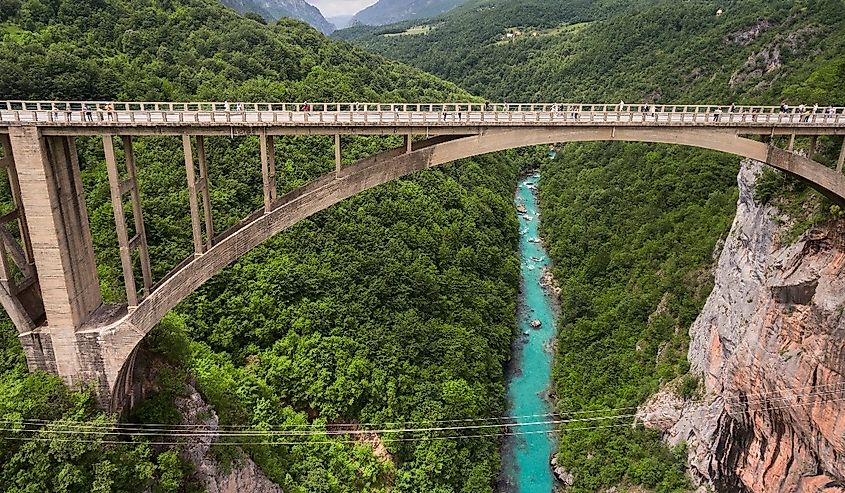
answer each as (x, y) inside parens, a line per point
(331, 8)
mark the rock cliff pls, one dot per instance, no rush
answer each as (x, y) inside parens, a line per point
(215, 478)
(769, 346)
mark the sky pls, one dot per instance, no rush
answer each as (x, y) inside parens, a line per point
(332, 8)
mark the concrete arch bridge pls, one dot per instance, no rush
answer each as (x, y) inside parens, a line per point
(48, 277)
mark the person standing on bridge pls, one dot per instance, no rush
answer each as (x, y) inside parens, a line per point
(88, 116)
(717, 114)
(110, 111)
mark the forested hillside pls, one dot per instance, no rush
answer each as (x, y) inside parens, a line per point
(635, 51)
(633, 227)
(389, 11)
(397, 305)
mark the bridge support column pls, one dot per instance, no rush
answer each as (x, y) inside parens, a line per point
(204, 186)
(119, 187)
(841, 161)
(814, 140)
(20, 294)
(193, 186)
(791, 147)
(337, 156)
(268, 170)
(409, 144)
(54, 201)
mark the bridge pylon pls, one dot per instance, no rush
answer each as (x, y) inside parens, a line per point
(64, 271)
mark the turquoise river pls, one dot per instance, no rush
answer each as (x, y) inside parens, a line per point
(528, 450)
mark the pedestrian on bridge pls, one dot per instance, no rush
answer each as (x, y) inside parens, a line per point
(717, 114)
(88, 116)
(110, 111)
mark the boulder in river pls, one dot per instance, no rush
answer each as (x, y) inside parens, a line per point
(536, 324)
(521, 209)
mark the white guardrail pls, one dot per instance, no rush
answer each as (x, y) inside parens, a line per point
(156, 113)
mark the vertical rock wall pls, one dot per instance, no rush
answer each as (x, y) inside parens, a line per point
(770, 346)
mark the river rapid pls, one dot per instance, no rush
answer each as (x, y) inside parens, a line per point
(526, 454)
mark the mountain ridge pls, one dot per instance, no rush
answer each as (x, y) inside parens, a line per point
(272, 10)
(390, 11)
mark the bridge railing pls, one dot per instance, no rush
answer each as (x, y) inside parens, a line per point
(404, 113)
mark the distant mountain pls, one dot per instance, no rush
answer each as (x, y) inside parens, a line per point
(389, 11)
(276, 9)
(340, 21)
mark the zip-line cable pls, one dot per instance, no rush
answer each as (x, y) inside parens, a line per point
(325, 442)
(745, 400)
(216, 435)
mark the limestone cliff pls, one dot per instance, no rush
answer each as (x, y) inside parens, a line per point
(770, 347)
(215, 478)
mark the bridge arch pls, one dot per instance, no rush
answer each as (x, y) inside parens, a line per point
(118, 340)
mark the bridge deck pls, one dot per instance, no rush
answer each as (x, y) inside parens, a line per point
(327, 118)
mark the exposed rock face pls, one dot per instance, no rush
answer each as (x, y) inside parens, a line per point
(243, 476)
(744, 37)
(770, 345)
(770, 58)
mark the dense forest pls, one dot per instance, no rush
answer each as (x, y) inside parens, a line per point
(652, 51)
(397, 305)
(633, 228)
